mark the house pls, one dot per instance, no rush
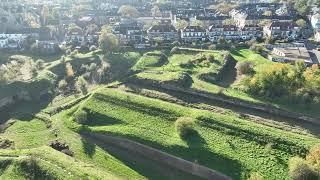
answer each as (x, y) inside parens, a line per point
(290, 55)
(229, 32)
(193, 33)
(164, 31)
(315, 21)
(129, 32)
(12, 41)
(317, 35)
(249, 32)
(282, 30)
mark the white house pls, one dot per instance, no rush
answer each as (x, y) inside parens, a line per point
(315, 21)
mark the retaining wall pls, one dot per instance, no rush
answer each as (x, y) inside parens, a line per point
(159, 156)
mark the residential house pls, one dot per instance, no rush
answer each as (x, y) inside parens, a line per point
(315, 21)
(193, 33)
(249, 32)
(164, 31)
(229, 32)
(282, 30)
(129, 32)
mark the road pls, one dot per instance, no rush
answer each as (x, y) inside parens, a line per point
(314, 53)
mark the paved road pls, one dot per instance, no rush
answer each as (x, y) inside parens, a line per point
(314, 53)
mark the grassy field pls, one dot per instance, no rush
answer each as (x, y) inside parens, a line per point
(224, 142)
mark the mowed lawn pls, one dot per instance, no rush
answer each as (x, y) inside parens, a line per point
(225, 142)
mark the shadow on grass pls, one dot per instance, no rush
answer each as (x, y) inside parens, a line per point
(198, 99)
(194, 140)
(98, 119)
(88, 147)
(236, 53)
(196, 152)
(139, 107)
(23, 111)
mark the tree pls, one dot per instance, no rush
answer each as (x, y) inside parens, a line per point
(128, 11)
(69, 72)
(267, 13)
(72, 28)
(108, 42)
(82, 85)
(198, 23)
(45, 14)
(63, 85)
(92, 29)
(313, 157)
(155, 11)
(106, 28)
(228, 22)
(302, 7)
(181, 24)
(301, 23)
(40, 64)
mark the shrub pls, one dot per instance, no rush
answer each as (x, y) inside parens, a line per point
(255, 176)
(82, 85)
(174, 50)
(313, 156)
(212, 47)
(81, 117)
(210, 57)
(63, 85)
(185, 127)
(299, 169)
(245, 67)
(40, 64)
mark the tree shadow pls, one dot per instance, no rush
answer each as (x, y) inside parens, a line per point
(23, 110)
(229, 75)
(194, 140)
(98, 119)
(196, 152)
(88, 147)
(194, 99)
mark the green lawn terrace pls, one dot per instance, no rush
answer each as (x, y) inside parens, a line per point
(224, 141)
(195, 69)
(185, 65)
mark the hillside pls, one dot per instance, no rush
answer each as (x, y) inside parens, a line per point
(225, 142)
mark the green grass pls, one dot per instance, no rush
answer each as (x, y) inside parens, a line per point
(149, 60)
(224, 142)
(49, 164)
(194, 63)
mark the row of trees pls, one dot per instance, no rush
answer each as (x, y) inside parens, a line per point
(296, 82)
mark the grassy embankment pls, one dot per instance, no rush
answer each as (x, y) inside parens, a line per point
(224, 142)
(179, 64)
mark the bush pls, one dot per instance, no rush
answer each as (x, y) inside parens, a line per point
(245, 67)
(212, 47)
(299, 169)
(313, 156)
(174, 50)
(185, 127)
(81, 117)
(40, 64)
(210, 57)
